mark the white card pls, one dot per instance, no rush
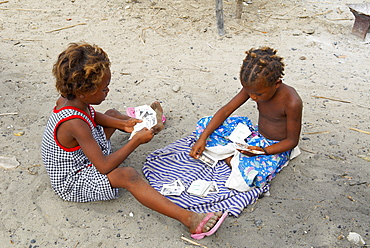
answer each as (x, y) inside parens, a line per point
(208, 159)
(147, 115)
(244, 147)
(240, 133)
(174, 188)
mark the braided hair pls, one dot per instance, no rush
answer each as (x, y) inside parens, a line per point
(262, 62)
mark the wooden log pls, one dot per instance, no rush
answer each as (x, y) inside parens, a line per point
(220, 17)
(239, 9)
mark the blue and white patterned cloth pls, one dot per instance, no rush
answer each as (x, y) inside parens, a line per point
(256, 170)
(173, 162)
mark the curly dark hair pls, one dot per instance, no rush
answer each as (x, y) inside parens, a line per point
(262, 62)
(80, 69)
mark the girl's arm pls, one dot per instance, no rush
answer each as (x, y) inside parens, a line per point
(81, 132)
(121, 123)
(217, 120)
(294, 122)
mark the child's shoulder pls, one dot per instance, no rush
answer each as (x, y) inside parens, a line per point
(290, 90)
(291, 95)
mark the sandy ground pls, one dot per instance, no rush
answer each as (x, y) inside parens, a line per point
(171, 51)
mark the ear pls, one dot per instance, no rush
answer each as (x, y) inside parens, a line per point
(278, 83)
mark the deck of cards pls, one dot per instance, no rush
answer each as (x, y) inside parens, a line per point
(202, 188)
(174, 188)
(244, 147)
(238, 136)
(208, 159)
(147, 115)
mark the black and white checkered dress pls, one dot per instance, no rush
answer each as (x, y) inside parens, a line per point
(72, 175)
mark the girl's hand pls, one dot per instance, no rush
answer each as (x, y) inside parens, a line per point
(197, 148)
(144, 136)
(128, 125)
(254, 150)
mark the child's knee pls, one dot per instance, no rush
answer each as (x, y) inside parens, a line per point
(130, 175)
(112, 112)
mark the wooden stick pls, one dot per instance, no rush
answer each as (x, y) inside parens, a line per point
(220, 17)
(341, 19)
(142, 35)
(8, 114)
(210, 45)
(307, 150)
(289, 10)
(193, 242)
(24, 9)
(65, 27)
(363, 106)
(331, 99)
(239, 9)
(22, 39)
(317, 132)
(358, 130)
(4, 2)
(323, 13)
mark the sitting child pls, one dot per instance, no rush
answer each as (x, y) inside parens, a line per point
(76, 147)
(279, 123)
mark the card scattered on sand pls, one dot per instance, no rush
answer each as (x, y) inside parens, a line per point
(174, 188)
(202, 188)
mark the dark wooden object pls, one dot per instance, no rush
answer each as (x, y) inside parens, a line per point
(361, 12)
(220, 17)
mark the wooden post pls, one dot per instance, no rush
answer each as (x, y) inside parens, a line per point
(220, 17)
(239, 9)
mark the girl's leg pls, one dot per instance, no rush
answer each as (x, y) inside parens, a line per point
(116, 114)
(228, 161)
(130, 179)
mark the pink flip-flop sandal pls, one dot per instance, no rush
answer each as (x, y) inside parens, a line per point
(199, 234)
(130, 111)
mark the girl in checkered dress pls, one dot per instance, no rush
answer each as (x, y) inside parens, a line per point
(76, 147)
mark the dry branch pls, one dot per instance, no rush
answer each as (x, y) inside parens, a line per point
(239, 9)
(326, 12)
(317, 132)
(192, 242)
(358, 130)
(338, 100)
(24, 9)
(71, 26)
(8, 114)
(289, 10)
(341, 19)
(307, 150)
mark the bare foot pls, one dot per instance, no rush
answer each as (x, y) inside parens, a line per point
(197, 218)
(156, 106)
